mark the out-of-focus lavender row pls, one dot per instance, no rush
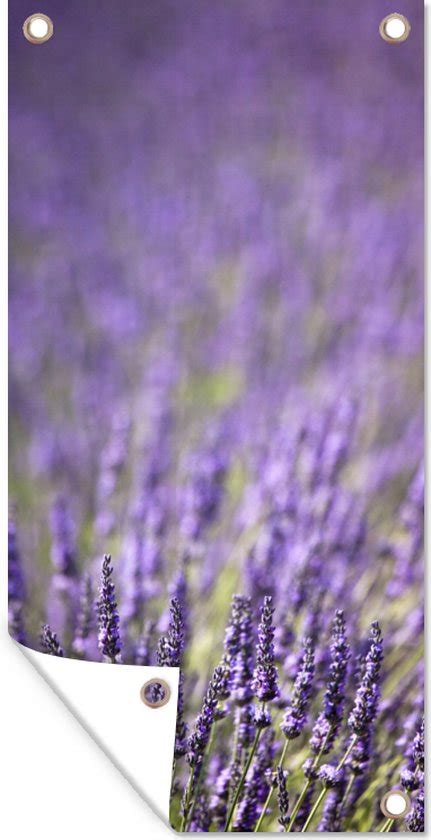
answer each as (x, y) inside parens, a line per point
(216, 316)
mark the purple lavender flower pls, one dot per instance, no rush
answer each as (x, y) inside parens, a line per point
(220, 796)
(256, 787)
(169, 654)
(282, 797)
(200, 735)
(204, 490)
(365, 708)
(265, 677)
(238, 650)
(419, 747)
(16, 622)
(415, 820)
(332, 810)
(63, 548)
(49, 642)
(367, 696)
(201, 819)
(296, 710)
(413, 774)
(109, 620)
(245, 726)
(310, 770)
(16, 588)
(143, 648)
(328, 723)
(331, 776)
(85, 620)
(171, 646)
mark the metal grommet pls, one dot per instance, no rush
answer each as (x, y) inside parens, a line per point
(395, 804)
(155, 693)
(38, 28)
(395, 28)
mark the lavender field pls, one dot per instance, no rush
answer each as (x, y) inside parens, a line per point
(216, 387)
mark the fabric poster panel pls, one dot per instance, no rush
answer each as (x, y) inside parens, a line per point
(216, 397)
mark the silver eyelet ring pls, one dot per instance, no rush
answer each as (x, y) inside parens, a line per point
(399, 35)
(38, 28)
(155, 693)
(395, 804)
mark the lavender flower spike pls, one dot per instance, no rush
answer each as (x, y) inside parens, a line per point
(265, 678)
(238, 650)
(296, 709)
(282, 797)
(329, 720)
(415, 820)
(85, 618)
(109, 619)
(199, 739)
(49, 642)
(16, 588)
(200, 736)
(366, 701)
(169, 655)
(412, 776)
(365, 709)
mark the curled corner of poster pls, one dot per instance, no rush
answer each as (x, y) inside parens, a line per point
(106, 700)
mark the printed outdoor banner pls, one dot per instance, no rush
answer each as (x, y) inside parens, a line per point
(216, 390)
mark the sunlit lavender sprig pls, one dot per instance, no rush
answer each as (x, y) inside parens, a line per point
(110, 643)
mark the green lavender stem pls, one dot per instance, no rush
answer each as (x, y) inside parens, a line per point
(305, 789)
(187, 800)
(314, 809)
(388, 826)
(271, 790)
(242, 779)
(324, 791)
(302, 796)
